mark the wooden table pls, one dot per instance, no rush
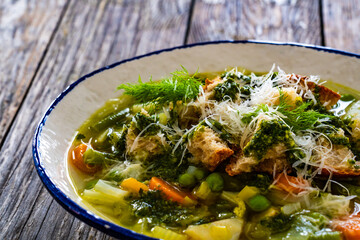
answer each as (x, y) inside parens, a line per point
(48, 44)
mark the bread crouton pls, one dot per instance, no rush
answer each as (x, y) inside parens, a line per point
(327, 97)
(210, 86)
(239, 164)
(208, 148)
(189, 115)
(274, 160)
(340, 160)
(144, 147)
(291, 97)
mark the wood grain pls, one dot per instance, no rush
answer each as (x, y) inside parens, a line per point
(294, 20)
(25, 30)
(342, 24)
(92, 34)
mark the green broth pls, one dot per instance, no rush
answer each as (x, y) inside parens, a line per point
(216, 194)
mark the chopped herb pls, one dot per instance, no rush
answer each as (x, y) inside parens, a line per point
(301, 117)
(278, 223)
(158, 210)
(168, 165)
(248, 117)
(181, 86)
(339, 140)
(226, 90)
(245, 90)
(269, 134)
(143, 122)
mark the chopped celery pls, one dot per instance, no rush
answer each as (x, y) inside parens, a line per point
(227, 229)
(189, 202)
(203, 191)
(97, 197)
(230, 196)
(291, 208)
(247, 192)
(110, 191)
(163, 233)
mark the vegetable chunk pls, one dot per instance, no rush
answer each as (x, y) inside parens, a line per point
(228, 229)
(208, 148)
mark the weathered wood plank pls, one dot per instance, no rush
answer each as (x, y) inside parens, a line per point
(92, 34)
(25, 30)
(294, 20)
(342, 24)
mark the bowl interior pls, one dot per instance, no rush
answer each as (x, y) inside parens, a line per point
(81, 99)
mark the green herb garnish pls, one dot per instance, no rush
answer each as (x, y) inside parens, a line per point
(300, 117)
(181, 86)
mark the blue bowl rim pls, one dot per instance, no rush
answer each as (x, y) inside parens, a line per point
(81, 213)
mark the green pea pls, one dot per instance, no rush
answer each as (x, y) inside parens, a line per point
(215, 182)
(187, 180)
(198, 173)
(259, 203)
(347, 97)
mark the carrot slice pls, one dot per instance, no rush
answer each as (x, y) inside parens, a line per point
(349, 227)
(170, 192)
(133, 185)
(291, 184)
(77, 158)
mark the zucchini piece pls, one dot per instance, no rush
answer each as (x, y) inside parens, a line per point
(111, 120)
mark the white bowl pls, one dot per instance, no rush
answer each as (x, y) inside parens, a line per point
(77, 102)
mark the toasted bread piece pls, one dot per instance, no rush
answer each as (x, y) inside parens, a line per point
(189, 115)
(239, 164)
(211, 84)
(271, 165)
(208, 148)
(209, 87)
(291, 97)
(340, 159)
(143, 147)
(327, 97)
(274, 160)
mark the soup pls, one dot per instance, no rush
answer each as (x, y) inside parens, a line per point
(230, 155)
